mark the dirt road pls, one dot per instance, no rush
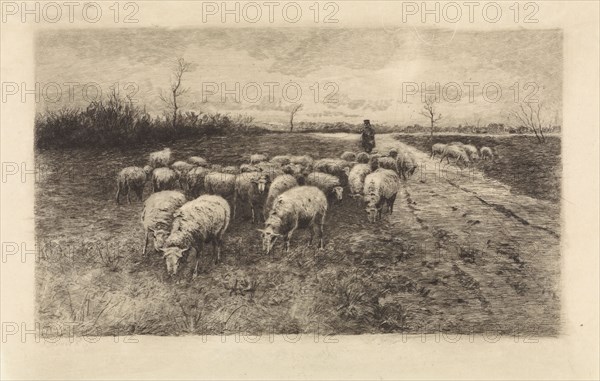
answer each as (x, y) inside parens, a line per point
(499, 245)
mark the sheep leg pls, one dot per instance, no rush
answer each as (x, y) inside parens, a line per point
(118, 191)
(288, 237)
(140, 192)
(145, 244)
(197, 254)
(235, 197)
(128, 195)
(391, 202)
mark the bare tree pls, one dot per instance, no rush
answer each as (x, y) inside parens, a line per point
(170, 99)
(293, 110)
(529, 117)
(429, 111)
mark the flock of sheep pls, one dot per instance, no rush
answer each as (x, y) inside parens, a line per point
(193, 201)
(461, 153)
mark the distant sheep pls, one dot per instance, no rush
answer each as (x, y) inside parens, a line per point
(249, 168)
(160, 158)
(348, 156)
(195, 180)
(406, 165)
(157, 216)
(164, 179)
(182, 168)
(329, 184)
(222, 184)
(252, 188)
(458, 144)
(356, 179)
(132, 179)
(198, 222)
(279, 185)
(438, 150)
(486, 153)
(362, 158)
(280, 160)
(456, 153)
(215, 167)
(471, 151)
(381, 187)
(197, 160)
(300, 207)
(273, 170)
(258, 158)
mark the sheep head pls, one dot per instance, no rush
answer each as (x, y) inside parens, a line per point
(269, 236)
(173, 256)
(338, 192)
(160, 236)
(262, 183)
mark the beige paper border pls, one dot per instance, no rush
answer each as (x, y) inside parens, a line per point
(573, 356)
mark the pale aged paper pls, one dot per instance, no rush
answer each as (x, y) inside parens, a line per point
(299, 190)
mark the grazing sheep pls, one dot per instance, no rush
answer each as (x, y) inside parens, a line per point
(406, 165)
(387, 162)
(164, 179)
(249, 168)
(329, 184)
(197, 160)
(304, 160)
(438, 149)
(362, 158)
(380, 188)
(279, 185)
(336, 167)
(182, 168)
(231, 169)
(471, 151)
(157, 216)
(132, 179)
(220, 183)
(195, 180)
(458, 144)
(486, 153)
(198, 222)
(356, 179)
(348, 156)
(456, 153)
(251, 187)
(160, 158)
(280, 160)
(300, 207)
(258, 158)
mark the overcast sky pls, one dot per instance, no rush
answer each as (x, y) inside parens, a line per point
(368, 73)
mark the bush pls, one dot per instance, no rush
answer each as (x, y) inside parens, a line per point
(118, 122)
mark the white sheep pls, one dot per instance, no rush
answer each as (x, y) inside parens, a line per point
(157, 216)
(160, 158)
(231, 169)
(198, 222)
(336, 167)
(182, 168)
(279, 185)
(248, 168)
(329, 184)
(486, 153)
(438, 149)
(251, 187)
(381, 187)
(406, 164)
(299, 207)
(164, 179)
(348, 156)
(356, 179)
(456, 153)
(304, 160)
(197, 160)
(362, 158)
(280, 160)
(222, 184)
(132, 179)
(195, 180)
(387, 162)
(258, 158)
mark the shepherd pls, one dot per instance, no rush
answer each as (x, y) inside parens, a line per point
(368, 137)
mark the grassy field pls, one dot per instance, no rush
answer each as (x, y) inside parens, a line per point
(520, 161)
(439, 263)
